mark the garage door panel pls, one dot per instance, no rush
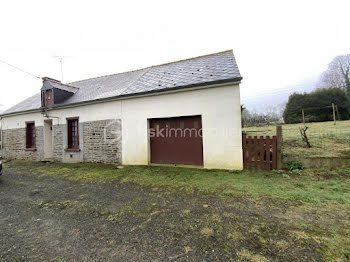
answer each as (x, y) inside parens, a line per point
(179, 141)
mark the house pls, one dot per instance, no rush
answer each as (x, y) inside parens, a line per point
(184, 113)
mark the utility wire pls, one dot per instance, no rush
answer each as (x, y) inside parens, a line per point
(19, 69)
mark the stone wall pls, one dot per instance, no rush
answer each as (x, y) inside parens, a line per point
(60, 144)
(102, 141)
(58, 150)
(14, 144)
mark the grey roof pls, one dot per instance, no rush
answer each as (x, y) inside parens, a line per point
(205, 70)
(31, 103)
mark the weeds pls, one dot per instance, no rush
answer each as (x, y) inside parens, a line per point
(294, 165)
(255, 184)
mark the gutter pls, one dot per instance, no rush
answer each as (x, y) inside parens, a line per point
(192, 87)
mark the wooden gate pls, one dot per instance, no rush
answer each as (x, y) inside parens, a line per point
(260, 152)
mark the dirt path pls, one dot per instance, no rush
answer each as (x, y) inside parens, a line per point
(50, 218)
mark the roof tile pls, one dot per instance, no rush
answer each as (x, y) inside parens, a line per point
(202, 70)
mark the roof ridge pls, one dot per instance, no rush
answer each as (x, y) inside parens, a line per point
(144, 68)
(49, 79)
(69, 85)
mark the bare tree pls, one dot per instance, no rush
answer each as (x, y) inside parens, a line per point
(259, 119)
(337, 74)
(304, 136)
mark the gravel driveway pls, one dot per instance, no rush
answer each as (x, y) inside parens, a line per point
(54, 219)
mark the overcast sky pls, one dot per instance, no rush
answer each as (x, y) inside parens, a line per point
(277, 44)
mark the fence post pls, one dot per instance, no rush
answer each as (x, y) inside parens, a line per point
(333, 107)
(336, 109)
(303, 115)
(279, 138)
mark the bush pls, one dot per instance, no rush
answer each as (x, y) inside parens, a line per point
(317, 106)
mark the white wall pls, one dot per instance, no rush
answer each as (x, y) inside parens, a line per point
(93, 112)
(18, 121)
(219, 108)
(221, 123)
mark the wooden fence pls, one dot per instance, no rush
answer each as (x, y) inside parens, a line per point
(260, 152)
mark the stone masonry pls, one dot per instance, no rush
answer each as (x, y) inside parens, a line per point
(102, 141)
(57, 132)
(14, 144)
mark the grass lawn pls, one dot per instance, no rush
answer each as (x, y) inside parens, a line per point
(310, 187)
(313, 207)
(327, 139)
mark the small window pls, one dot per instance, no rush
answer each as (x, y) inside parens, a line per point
(73, 133)
(182, 124)
(30, 135)
(195, 124)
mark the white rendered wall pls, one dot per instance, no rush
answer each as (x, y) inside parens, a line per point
(219, 108)
(221, 122)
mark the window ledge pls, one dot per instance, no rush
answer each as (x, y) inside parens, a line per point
(72, 150)
(30, 149)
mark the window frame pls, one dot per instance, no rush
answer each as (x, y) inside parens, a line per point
(30, 135)
(70, 140)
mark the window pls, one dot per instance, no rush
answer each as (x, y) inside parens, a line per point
(73, 133)
(30, 135)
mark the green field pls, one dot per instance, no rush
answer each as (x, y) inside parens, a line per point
(327, 139)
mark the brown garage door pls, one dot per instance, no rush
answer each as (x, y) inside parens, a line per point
(176, 140)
